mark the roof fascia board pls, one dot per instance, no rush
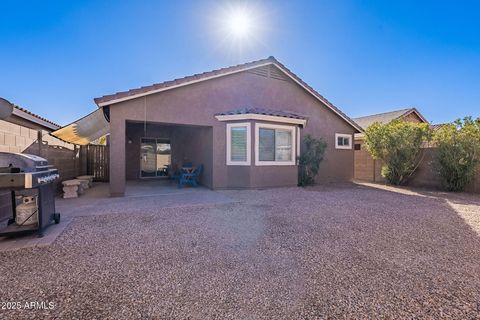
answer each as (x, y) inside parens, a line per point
(254, 116)
(414, 110)
(29, 117)
(349, 121)
(107, 103)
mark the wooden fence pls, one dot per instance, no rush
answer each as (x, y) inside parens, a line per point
(98, 162)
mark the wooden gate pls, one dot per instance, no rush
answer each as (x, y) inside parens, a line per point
(98, 162)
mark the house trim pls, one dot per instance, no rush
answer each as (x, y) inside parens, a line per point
(254, 116)
(274, 63)
(25, 115)
(229, 144)
(138, 95)
(343, 135)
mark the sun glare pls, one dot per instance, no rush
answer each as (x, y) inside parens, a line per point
(239, 28)
(239, 24)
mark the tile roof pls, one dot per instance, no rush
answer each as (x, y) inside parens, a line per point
(179, 81)
(385, 117)
(267, 112)
(35, 115)
(134, 93)
(438, 125)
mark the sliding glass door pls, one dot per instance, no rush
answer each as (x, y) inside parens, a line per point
(155, 157)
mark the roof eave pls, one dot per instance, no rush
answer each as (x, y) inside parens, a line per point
(255, 116)
(29, 117)
(268, 61)
(101, 103)
(414, 110)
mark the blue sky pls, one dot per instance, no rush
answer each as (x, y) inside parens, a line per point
(364, 56)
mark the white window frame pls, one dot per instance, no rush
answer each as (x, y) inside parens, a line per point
(343, 135)
(229, 143)
(292, 129)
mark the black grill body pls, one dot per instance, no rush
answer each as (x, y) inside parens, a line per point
(20, 172)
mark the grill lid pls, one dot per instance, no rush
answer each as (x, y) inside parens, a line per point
(22, 162)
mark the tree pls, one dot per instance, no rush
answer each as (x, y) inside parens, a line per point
(398, 144)
(309, 160)
(458, 154)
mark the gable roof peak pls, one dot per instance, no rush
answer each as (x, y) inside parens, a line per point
(167, 85)
(386, 117)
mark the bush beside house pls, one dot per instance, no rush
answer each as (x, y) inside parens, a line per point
(399, 145)
(309, 160)
(452, 161)
(458, 154)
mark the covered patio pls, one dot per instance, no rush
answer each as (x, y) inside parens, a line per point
(156, 151)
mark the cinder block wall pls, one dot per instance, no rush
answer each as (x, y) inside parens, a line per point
(63, 156)
(426, 176)
(15, 138)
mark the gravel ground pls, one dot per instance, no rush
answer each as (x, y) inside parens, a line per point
(324, 252)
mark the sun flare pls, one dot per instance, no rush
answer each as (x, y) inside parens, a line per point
(239, 23)
(239, 29)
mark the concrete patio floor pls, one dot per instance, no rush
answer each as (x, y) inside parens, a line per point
(139, 195)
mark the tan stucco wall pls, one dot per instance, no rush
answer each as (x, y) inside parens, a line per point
(196, 104)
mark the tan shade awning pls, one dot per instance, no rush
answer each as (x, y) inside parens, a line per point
(85, 130)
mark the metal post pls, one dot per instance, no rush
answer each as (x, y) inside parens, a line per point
(14, 208)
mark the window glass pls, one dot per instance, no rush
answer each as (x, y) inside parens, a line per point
(343, 141)
(238, 136)
(266, 141)
(275, 144)
(283, 141)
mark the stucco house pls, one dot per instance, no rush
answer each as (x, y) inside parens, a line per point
(366, 168)
(243, 123)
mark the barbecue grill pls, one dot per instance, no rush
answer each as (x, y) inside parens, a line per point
(20, 172)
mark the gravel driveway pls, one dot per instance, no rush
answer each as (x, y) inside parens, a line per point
(325, 252)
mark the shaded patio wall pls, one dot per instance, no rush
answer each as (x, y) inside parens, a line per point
(196, 105)
(193, 144)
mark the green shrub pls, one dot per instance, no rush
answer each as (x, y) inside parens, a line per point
(398, 144)
(458, 152)
(309, 160)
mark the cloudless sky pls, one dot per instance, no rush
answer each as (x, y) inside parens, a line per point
(364, 56)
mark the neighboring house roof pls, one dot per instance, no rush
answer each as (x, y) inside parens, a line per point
(267, 112)
(387, 117)
(155, 88)
(438, 126)
(25, 116)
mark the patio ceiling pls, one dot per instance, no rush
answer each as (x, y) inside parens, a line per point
(85, 130)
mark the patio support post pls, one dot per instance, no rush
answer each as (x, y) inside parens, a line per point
(117, 155)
